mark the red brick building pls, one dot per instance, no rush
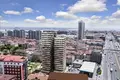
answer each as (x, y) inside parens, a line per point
(14, 65)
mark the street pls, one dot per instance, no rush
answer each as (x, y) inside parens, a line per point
(110, 61)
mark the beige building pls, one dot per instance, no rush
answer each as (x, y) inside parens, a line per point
(48, 51)
(59, 54)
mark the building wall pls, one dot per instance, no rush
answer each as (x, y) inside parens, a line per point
(59, 54)
(47, 46)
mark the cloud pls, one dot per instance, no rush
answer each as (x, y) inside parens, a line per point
(14, 4)
(88, 6)
(30, 21)
(65, 15)
(11, 12)
(41, 18)
(116, 14)
(27, 10)
(95, 17)
(3, 21)
(118, 2)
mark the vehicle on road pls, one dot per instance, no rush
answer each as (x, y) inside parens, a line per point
(111, 69)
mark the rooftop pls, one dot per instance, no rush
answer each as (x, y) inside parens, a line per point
(12, 58)
(67, 76)
(88, 67)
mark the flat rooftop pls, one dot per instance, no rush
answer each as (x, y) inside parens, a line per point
(88, 67)
(12, 58)
(67, 76)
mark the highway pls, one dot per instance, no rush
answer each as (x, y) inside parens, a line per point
(110, 61)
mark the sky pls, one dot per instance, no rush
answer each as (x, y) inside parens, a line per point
(97, 14)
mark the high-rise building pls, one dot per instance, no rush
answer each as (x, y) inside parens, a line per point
(31, 34)
(19, 33)
(10, 33)
(48, 51)
(59, 54)
(16, 33)
(81, 30)
(1, 34)
(34, 34)
(37, 35)
(22, 34)
(14, 65)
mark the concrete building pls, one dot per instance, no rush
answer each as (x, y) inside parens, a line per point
(67, 76)
(34, 34)
(31, 34)
(7, 77)
(22, 34)
(37, 35)
(10, 33)
(81, 30)
(18, 33)
(88, 68)
(47, 46)
(59, 54)
(14, 65)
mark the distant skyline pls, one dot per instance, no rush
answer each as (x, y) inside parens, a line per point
(97, 14)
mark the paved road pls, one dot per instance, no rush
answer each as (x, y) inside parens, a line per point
(110, 59)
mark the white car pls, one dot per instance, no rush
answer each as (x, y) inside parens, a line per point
(111, 70)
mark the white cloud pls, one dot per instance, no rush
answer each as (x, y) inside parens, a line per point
(27, 10)
(118, 2)
(11, 12)
(88, 6)
(95, 17)
(41, 18)
(30, 21)
(65, 15)
(116, 14)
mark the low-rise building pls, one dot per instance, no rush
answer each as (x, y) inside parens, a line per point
(88, 68)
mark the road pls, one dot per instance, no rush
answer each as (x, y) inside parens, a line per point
(110, 61)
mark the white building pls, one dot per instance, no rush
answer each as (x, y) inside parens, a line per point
(88, 68)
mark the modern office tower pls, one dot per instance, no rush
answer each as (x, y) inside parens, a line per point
(1, 34)
(81, 30)
(10, 33)
(16, 33)
(34, 34)
(14, 65)
(59, 54)
(47, 46)
(31, 34)
(37, 35)
(22, 34)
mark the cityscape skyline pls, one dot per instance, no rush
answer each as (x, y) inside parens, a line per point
(66, 14)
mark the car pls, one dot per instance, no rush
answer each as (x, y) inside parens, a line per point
(111, 69)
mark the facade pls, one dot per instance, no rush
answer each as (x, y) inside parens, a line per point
(37, 35)
(22, 34)
(31, 34)
(59, 54)
(19, 33)
(10, 33)
(81, 30)
(7, 77)
(34, 34)
(1, 34)
(14, 65)
(47, 39)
